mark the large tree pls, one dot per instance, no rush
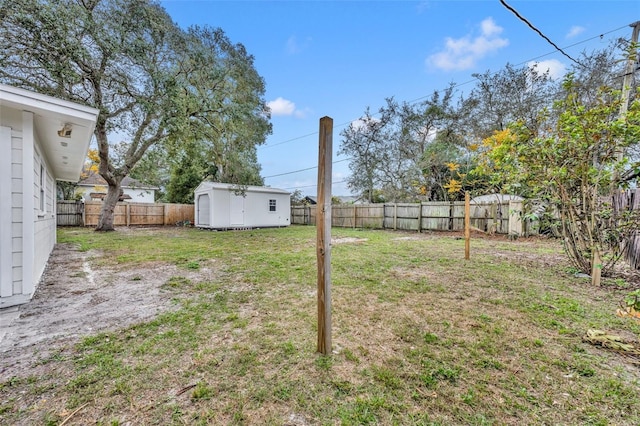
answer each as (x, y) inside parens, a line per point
(363, 141)
(151, 81)
(390, 151)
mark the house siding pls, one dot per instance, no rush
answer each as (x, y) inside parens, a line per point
(44, 218)
(29, 201)
(6, 226)
(16, 212)
(28, 181)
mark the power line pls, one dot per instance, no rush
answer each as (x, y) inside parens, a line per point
(455, 86)
(438, 91)
(288, 140)
(311, 186)
(523, 19)
(304, 170)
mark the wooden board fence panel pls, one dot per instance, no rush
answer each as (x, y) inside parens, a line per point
(402, 216)
(144, 214)
(139, 214)
(440, 216)
(69, 213)
(369, 216)
(631, 201)
(344, 216)
(302, 215)
(179, 214)
(433, 216)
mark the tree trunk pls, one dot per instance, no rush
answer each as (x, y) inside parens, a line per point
(105, 222)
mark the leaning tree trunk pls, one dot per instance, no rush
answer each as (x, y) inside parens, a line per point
(105, 222)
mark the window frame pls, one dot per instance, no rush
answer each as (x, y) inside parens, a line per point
(43, 188)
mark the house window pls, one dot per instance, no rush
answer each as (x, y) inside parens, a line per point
(272, 205)
(42, 188)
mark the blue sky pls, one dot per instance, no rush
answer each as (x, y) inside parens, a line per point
(335, 58)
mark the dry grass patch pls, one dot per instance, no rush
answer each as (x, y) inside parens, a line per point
(420, 337)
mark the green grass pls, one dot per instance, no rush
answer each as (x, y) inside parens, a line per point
(420, 336)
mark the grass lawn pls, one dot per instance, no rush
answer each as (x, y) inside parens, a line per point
(420, 337)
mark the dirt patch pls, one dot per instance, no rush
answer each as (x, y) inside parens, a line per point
(74, 300)
(347, 240)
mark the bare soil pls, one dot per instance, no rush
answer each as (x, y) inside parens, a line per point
(74, 300)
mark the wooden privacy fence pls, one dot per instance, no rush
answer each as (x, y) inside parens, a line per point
(496, 217)
(630, 200)
(126, 214)
(70, 213)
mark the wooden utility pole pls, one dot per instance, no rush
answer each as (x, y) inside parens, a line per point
(323, 226)
(632, 60)
(467, 225)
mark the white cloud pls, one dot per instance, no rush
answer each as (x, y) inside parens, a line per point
(361, 123)
(281, 106)
(292, 45)
(295, 46)
(555, 68)
(463, 53)
(575, 31)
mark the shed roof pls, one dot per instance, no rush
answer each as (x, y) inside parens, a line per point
(64, 128)
(231, 187)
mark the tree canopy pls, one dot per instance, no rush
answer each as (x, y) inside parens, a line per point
(154, 83)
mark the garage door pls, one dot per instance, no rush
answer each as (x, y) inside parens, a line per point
(204, 210)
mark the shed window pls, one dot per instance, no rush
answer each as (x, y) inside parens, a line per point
(272, 205)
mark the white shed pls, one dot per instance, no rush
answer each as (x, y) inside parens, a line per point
(220, 206)
(42, 139)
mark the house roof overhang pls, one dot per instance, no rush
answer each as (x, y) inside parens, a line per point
(63, 128)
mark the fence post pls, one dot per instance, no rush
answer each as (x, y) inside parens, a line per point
(451, 210)
(355, 215)
(515, 218)
(165, 214)
(395, 216)
(127, 211)
(467, 225)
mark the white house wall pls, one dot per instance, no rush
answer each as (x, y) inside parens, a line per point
(28, 203)
(28, 125)
(22, 260)
(45, 221)
(138, 195)
(16, 213)
(6, 226)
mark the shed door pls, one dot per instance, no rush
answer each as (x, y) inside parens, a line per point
(204, 209)
(237, 210)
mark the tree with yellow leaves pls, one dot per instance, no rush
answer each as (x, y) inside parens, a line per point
(571, 162)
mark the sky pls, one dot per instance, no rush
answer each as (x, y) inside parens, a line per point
(336, 58)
